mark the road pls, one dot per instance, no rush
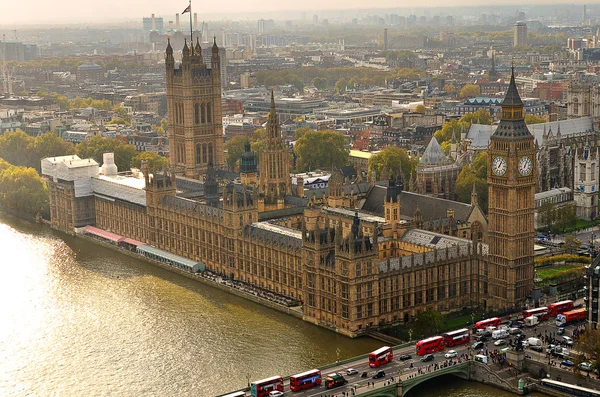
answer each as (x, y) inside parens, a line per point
(402, 368)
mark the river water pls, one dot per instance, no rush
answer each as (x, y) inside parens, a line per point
(77, 319)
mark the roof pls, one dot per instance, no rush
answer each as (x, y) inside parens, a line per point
(167, 255)
(434, 155)
(512, 97)
(103, 233)
(363, 216)
(432, 208)
(361, 154)
(431, 239)
(552, 193)
(509, 129)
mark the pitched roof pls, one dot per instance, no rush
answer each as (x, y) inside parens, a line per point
(434, 155)
(432, 208)
(512, 97)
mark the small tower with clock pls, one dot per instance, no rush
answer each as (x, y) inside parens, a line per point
(511, 182)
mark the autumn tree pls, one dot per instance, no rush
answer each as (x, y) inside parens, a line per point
(534, 119)
(429, 322)
(469, 91)
(340, 85)
(474, 175)
(50, 145)
(571, 244)
(420, 109)
(392, 158)
(98, 145)
(320, 149)
(155, 161)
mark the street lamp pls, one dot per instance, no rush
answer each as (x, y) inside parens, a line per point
(248, 379)
(410, 332)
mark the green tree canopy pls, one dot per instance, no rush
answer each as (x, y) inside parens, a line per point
(391, 158)
(235, 149)
(420, 109)
(98, 145)
(429, 322)
(50, 145)
(571, 244)
(320, 149)
(155, 161)
(340, 85)
(17, 148)
(23, 190)
(320, 83)
(475, 174)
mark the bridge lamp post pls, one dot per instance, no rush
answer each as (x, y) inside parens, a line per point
(410, 332)
(248, 379)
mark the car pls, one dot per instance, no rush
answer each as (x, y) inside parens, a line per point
(378, 374)
(351, 371)
(276, 393)
(536, 348)
(518, 324)
(500, 342)
(515, 331)
(427, 357)
(482, 338)
(561, 331)
(585, 366)
(568, 340)
(451, 353)
(566, 363)
(477, 345)
(405, 357)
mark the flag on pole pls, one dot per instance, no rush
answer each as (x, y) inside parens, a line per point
(187, 9)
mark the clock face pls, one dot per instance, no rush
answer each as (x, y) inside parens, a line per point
(525, 166)
(499, 166)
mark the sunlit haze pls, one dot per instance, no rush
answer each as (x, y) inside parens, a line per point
(73, 11)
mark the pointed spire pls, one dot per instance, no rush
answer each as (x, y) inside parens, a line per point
(198, 49)
(474, 196)
(512, 97)
(169, 48)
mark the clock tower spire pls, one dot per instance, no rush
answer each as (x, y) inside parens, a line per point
(511, 183)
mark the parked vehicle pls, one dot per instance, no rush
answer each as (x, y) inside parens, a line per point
(534, 342)
(500, 342)
(531, 321)
(561, 331)
(500, 334)
(515, 331)
(477, 345)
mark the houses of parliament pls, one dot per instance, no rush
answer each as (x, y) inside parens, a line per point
(357, 259)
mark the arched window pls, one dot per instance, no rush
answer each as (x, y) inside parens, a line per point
(196, 113)
(208, 113)
(203, 113)
(198, 153)
(575, 106)
(477, 231)
(204, 158)
(210, 153)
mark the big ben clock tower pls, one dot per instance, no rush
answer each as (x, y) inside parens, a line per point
(511, 182)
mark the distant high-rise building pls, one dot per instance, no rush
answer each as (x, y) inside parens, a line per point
(584, 17)
(316, 19)
(385, 39)
(261, 26)
(520, 34)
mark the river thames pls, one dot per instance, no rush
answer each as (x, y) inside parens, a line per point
(78, 319)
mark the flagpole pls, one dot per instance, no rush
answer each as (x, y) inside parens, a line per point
(191, 28)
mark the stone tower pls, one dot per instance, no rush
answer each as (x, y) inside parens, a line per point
(511, 181)
(194, 108)
(585, 183)
(248, 170)
(274, 178)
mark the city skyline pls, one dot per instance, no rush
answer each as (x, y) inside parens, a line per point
(110, 11)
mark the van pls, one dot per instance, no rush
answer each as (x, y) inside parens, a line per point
(534, 342)
(480, 358)
(499, 334)
(531, 321)
(490, 329)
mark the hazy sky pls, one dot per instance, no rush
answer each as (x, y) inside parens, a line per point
(14, 12)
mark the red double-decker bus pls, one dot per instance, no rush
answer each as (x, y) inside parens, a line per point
(559, 307)
(541, 313)
(457, 337)
(381, 356)
(305, 380)
(494, 321)
(262, 388)
(430, 345)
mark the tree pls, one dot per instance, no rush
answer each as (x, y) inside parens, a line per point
(533, 119)
(50, 145)
(301, 131)
(340, 85)
(481, 116)
(98, 145)
(420, 109)
(165, 125)
(480, 165)
(547, 215)
(589, 344)
(320, 83)
(469, 91)
(429, 322)
(155, 161)
(449, 88)
(392, 158)
(16, 147)
(320, 149)
(571, 244)
(23, 190)
(234, 148)
(474, 175)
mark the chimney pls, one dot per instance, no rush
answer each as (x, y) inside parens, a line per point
(153, 23)
(177, 27)
(195, 22)
(108, 167)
